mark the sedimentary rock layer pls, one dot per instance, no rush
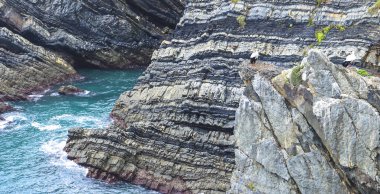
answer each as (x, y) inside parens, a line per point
(328, 137)
(174, 131)
(114, 33)
(25, 67)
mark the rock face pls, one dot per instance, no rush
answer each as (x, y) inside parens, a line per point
(70, 90)
(41, 40)
(174, 132)
(114, 33)
(25, 67)
(328, 137)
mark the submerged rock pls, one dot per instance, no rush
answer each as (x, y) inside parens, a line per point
(70, 90)
(328, 137)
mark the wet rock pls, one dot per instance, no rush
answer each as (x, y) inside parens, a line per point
(70, 90)
(4, 107)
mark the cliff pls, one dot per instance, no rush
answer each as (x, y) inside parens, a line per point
(25, 67)
(174, 132)
(41, 41)
(115, 33)
(327, 139)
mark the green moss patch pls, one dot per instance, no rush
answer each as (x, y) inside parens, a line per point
(241, 21)
(296, 75)
(321, 34)
(363, 72)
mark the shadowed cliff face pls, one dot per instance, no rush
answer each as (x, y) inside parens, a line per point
(41, 40)
(328, 137)
(25, 67)
(109, 34)
(174, 132)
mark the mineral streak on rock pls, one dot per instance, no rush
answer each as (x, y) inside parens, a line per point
(174, 132)
(108, 34)
(328, 137)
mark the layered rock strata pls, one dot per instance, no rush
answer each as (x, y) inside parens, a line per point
(40, 41)
(114, 33)
(25, 67)
(174, 132)
(327, 139)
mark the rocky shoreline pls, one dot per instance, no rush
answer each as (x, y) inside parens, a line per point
(42, 41)
(198, 121)
(178, 123)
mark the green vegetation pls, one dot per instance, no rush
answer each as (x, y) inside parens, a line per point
(319, 2)
(234, 1)
(251, 186)
(241, 21)
(296, 75)
(374, 8)
(306, 49)
(310, 22)
(363, 72)
(321, 34)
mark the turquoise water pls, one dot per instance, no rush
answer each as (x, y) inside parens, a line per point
(33, 136)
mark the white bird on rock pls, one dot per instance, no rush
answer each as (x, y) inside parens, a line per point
(350, 59)
(254, 57)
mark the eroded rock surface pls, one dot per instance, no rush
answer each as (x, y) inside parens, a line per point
(113, 33)
(174, 132)
(321, 136)
(25, 67)
(41, 41)
(70, 90)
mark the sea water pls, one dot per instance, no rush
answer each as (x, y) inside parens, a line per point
(32, 137)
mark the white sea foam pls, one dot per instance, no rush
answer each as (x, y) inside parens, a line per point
(54, 94)
(58, 157)
(45, 127)
(86, 93)
(10, 118)
(81, 120)
(35, 97)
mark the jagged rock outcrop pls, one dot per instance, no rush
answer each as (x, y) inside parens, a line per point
(174, 132)
(25, 67)
(321, 136)
(113, 33)
(70, 90)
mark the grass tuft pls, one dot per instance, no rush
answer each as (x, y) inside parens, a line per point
(363, 72)
(296, 75)
(241, 21)
(374, 8)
